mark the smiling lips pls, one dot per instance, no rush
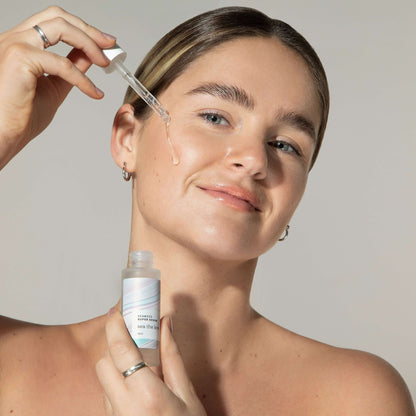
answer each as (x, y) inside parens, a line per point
(237, 198)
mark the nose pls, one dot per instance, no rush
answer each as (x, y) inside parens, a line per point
(247, 157)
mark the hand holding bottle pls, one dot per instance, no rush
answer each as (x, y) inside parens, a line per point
(144, 392)
(28, 99)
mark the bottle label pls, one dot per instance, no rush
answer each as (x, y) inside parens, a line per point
(141, 310)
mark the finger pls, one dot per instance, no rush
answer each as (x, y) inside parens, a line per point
(102, 39)
(125, 354)
(26, 59)
(81, 61)
(107, 407)
(59, 29)
(111, 380)
(52, 64)
(173, 367)
(122, 349)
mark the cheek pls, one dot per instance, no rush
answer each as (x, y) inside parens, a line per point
(287, 190)
(297, 184)
(159, 182)
(153, 157)
(192, 139)
(153, 167)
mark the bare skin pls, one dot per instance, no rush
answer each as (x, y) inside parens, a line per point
(47, 370)
(207, 245)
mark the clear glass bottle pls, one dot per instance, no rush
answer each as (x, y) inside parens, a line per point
(140, 304)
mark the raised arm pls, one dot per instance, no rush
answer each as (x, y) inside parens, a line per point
(34, 81)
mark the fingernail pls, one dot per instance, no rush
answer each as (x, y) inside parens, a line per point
(108, 36)
(112, 311)
(99, 92)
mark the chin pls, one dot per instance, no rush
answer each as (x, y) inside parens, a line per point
(209, 235)
(222, 244)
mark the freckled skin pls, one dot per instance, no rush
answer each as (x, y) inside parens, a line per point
(208, 253)
(201, 161)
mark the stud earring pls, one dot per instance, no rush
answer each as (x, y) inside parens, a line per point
(283, 238)
(126, 175)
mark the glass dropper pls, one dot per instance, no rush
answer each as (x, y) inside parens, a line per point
(117, 55)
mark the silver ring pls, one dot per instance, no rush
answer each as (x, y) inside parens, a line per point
(133, 369)
(46, 43)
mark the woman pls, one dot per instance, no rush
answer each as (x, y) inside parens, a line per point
(210, 194)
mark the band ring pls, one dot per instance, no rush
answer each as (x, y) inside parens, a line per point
(46, 43)
(133, 369)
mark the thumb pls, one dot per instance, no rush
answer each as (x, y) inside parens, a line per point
(62, 87)
(173, 367)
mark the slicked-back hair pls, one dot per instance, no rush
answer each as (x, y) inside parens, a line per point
(170, 57)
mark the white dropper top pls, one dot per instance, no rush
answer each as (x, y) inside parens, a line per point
(117, 56)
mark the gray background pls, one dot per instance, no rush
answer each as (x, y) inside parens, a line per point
(346, 275)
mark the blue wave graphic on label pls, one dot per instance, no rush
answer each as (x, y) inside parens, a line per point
(141, 310)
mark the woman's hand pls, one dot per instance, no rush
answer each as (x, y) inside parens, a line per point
(144, 393)
(28, 99)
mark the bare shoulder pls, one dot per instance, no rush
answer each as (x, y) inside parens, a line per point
(19, 357)
(11, 331)
(22, 346)
(334, 380)
(41, 346)
(42, 368)
(370, 384)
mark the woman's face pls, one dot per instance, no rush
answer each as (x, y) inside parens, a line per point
(243, 127)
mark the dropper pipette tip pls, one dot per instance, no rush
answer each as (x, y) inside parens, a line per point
(117, 56)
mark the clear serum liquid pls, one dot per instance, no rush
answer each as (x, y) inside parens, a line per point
(140, 304)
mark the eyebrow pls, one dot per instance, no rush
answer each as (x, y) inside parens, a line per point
(299, 122)
(237, 95)
(227, 92)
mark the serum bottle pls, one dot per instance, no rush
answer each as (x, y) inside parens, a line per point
(140, 304)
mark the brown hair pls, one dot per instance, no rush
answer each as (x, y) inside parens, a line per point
(181, 46)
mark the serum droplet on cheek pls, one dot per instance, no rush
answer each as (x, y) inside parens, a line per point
(173, 153)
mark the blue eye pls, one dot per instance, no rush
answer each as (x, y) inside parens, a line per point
(284, 147)
(214, 118)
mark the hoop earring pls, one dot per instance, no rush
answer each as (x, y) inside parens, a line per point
(285, 235)
(126, 175)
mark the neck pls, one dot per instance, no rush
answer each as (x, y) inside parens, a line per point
(208, 301)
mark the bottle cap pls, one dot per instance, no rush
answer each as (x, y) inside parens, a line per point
(114, 53)
(140, 257)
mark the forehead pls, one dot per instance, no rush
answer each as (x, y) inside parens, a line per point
(274, 75)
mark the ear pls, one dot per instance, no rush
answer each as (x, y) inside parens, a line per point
(125, 129)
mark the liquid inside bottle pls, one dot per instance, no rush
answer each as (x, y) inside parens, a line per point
(141, 304)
